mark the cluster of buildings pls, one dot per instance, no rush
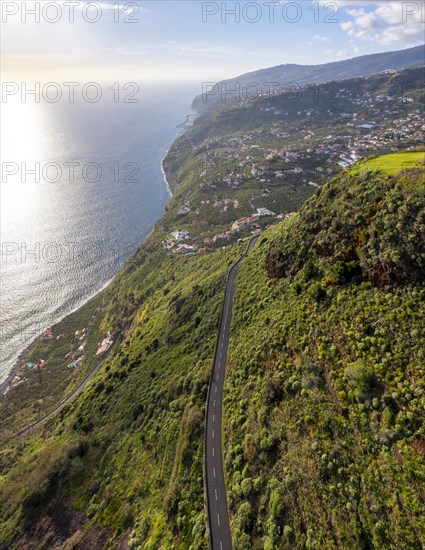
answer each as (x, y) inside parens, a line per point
(105, 344)
(81, 337)
(21, 378)
(294, 147)
(75, 358)
(242, 223)
(370, 123)
(174, 242)
(248, 222)
(224, 204)
(319, 159)
(175, 245)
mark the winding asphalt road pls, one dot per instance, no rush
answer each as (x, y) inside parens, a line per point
(215, 488)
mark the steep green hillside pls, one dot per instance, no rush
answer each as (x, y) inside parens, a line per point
(124, 461)
(325, 398)
(324, 401)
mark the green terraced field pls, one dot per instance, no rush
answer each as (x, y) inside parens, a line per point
(392, 164)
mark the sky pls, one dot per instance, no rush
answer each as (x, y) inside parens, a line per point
(194, 40)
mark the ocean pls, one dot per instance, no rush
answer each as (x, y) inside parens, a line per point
(81, 189)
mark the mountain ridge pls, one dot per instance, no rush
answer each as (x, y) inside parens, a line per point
(311, 74)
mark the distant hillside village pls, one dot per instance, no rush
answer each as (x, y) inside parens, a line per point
(294, 149)
(385, 128)
(175, 245)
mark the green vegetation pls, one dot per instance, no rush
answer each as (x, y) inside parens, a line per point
(40, 394)
(324, 401)
(128, 452)
(392, 164)
(274, 151)
(325, 396)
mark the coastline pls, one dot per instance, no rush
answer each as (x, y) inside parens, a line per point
(164, 175)
(5, 384)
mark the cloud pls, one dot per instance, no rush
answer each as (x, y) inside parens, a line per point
(320, 38)
(101, 4)
(342, 54)
(351, 50)
(346, 3)
(388, 23)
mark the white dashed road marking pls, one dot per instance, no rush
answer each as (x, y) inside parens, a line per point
(220, 361)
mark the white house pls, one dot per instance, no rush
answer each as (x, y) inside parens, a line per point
(180, 235)
(263, 212)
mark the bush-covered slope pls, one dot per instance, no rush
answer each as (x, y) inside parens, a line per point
(324, 445)
(370, 225)
(325, 396)
(122, 465)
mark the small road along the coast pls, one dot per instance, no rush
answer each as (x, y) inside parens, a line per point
(215, 489)
(61, 405)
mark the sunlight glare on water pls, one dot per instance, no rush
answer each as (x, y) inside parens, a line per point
(63, 239)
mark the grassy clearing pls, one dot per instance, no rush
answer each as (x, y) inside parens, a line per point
(392, 164)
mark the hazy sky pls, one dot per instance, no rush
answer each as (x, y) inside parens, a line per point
(195, 40)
